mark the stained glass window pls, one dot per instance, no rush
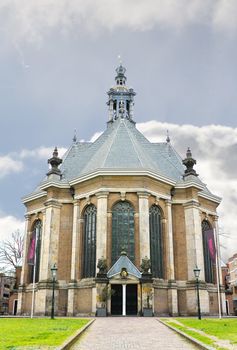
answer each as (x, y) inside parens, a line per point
(123, 230)
(89, 260)
(156, 243)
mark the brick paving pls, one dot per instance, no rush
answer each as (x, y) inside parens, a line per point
(118, 333)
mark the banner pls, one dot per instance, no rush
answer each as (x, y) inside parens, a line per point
(209, 235)
(31, 250)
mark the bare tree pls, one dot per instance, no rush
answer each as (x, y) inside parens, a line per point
(11, 250)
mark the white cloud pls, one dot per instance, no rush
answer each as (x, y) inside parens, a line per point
(9, 165)
(41, 152)
(8, 225)
(33, 20)
(215, 149)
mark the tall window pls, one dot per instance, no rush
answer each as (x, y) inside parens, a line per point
(89, 241)
(156, 244)
(123, 230)
(208, 264)
(34, 252)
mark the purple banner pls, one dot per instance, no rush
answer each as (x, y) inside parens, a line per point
(209, 234)
(31, 251)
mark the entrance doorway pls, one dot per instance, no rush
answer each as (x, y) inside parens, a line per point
(131, 299)
(15, 307)
(116, 299)
(124, 299)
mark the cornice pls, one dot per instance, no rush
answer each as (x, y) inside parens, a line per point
(122, 172)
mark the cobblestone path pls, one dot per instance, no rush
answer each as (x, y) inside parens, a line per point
(118, 333)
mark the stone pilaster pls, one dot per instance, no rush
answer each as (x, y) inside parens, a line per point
(49, 253)
(144, 224)
(101, 227)
(172, 291)
(169, 242)
(193, 238)
(50, 235)
(75, 258)
(24, 265)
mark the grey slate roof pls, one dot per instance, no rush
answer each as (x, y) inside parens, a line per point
(124, 262)
(122, 146)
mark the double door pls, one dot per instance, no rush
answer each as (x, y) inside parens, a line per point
(124, 299)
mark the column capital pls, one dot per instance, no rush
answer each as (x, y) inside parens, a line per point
(191, 204)
(76, 202)
(27, 217)
(216, 217)
(143, 194)
(102, 194)
(168, 202)
(53, 203)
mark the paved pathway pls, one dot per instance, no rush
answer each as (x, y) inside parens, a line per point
(138, 333)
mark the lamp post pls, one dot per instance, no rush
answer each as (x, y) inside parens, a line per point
(196, 271)
(54, 275)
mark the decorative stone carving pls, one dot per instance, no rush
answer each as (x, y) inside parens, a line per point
(55, 161)
(189, 162)
(102, 266)
(145, 265)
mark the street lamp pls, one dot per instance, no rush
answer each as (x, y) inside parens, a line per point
(54, 275)
(196, 271)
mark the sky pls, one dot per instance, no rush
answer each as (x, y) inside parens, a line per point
(58, 60)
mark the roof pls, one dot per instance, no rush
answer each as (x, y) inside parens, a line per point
(121, 148)
(126, 263)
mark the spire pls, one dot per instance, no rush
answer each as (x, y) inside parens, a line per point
(120, 97)
(55, 161)
(167, 137)
(189, 162)
(74, 136)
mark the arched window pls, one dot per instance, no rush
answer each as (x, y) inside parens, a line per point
(34, 252)
(123, 230)
(208, 264)
(156, 243)
(89, 241)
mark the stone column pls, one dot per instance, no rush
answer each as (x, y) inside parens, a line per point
(101, 226)
(24, 265)
(193, 238)
(172, 291)
(49, 254)
(144, 224)
(75, 258)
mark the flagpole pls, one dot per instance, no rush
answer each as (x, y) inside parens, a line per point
(34, 271)
(218, 271)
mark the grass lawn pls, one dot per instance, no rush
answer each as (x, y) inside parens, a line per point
(225, 330)
(37, 333)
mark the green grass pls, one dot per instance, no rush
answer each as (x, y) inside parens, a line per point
(192, 333)
(38, 333)
(223, 329)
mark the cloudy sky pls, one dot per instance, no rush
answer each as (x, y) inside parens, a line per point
(57, 61)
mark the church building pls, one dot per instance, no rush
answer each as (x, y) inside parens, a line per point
(126, 222)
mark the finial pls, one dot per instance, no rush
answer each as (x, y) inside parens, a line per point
(168, 136)
(120, 60)
(123, 252)
(55, 161)
(189, 162)
(75, 136)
